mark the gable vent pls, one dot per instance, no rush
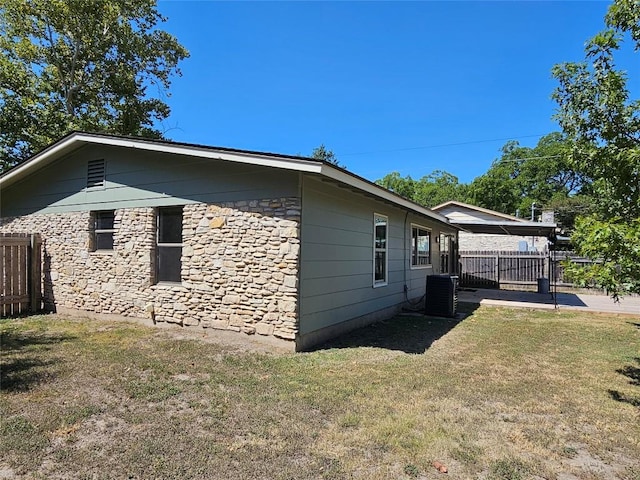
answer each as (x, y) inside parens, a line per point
(95, 173)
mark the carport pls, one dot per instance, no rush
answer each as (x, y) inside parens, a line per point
(520, 228)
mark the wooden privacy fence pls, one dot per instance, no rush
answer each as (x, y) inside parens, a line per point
(20, 274)
(559, 275)
(490, 269)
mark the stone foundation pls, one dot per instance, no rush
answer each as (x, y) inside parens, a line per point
(239, 266)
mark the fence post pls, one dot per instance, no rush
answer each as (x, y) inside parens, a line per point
(498, 269)
(34, 273)
(547, 265)
(3, 289)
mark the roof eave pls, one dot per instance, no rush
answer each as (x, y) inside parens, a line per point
(525, 228)
(76, 140)
(495, 213)
(359, 183)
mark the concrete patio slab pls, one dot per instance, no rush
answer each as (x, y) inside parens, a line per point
(564, 301)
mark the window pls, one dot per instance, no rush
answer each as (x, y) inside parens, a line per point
(103, 230)
(420, 246)
(380, 250)
(169, 247)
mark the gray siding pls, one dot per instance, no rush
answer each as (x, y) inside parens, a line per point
(141, 179)
(337, 256)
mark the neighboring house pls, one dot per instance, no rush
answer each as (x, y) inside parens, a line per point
(279, 246)
(472, 219)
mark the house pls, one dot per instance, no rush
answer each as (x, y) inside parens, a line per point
(286, 248)
(487, 230)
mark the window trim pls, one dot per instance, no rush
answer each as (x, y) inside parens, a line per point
(167, 245)
(419, 266)
(385, 250)
(95, 231)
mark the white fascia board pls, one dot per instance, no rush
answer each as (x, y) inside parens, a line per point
(78, 139)
(42, 158)
(505, 223)
(526, 228)
(455, 203)
(194, 151)
(380, 192)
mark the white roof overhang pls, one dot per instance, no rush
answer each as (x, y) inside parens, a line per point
(522, 228)
(76, 140)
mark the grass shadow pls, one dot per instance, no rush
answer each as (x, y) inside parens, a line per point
(19, 374)
(621, 397)
(20, 368)
(15, 341)
(632, 372)
(409, 332)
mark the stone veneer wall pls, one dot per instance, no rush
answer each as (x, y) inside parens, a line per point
(239, 265)
(491, 242)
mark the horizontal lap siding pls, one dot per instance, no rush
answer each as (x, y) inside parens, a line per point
(337, 256)
(320, 269)
(142, 179)
(353, 307)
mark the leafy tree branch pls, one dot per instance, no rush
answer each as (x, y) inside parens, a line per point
(81, 65)
(602, 123)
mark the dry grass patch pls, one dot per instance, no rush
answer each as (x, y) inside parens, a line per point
(503, 394)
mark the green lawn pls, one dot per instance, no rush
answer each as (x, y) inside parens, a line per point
(502, 394)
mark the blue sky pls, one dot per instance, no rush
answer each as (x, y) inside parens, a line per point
(388, 86)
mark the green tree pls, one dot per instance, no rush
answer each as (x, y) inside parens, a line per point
(321, 153)
(431, 190)
(568, 209)
(83, 65)
(439, 187)
(602, 122)
(403, 186)
(522, 176)
(497, 188)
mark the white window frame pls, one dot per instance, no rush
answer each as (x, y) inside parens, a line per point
(418, 265)
(378, 217)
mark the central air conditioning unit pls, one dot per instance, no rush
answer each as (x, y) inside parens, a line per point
(442, 295)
